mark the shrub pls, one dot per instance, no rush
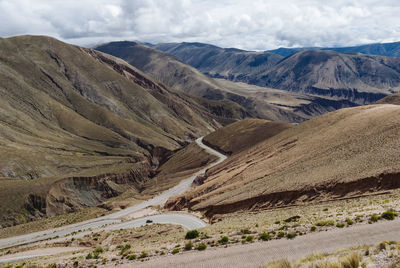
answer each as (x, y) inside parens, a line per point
(340, 225)
(99, 250)
(250, 238)
(201, 246)
(175, 250)
(89, 256)
(192, 234)
(104, 261)
(245, 231)
(290, 235)
(143, 255)
(224, 240)
(325, 223)
(349, 221)
(313, 228)
(325, 209)
(277, 222)
(132, 257)
(264, 236)
(52, 265)
(382, 245)
(281, 234)
(124, 249)
(188, 246)
(352, 261)
(389, 215)
(374, 218)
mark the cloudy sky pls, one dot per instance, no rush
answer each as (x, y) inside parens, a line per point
(253, 25)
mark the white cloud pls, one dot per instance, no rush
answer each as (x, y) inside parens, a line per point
(244, 24)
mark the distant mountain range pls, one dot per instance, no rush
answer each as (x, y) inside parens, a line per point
(381, 49)
(352, 76)
(238, 99)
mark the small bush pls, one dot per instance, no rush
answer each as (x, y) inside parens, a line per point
(99, 250)
(374, 218)
(192, 234)
(382, 245)
(290, 235)
(277, 222)
(325, 209)
(352, 261)
(245, 231)
(313, 228)
(188, 246)
(389, 215)
(325, 223)
(143, 255)
(52, 265)
(89, 256)
(250, 238)
(264, 236)
(349, 221)
(201, 246)
(224, 240)
(132, 257)
(339, 225)
(175, 251)
(281, 234)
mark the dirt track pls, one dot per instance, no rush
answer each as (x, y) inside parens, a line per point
(261, 253)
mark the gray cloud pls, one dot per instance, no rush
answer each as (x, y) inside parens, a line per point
(257, 24)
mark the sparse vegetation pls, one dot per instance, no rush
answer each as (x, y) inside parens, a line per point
(290, 235)
(340, 225)
(224, 240)
(192, 234)
(389, 215)
(264, 236)
(374, 218)
(201, 246)
(188, 245)
(325, 223)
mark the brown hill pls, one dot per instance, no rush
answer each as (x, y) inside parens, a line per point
(343, 153)
(90, 119)
(391, 99)
(243, 134)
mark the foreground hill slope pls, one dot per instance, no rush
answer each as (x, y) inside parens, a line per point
(90, 119)
(343, 153)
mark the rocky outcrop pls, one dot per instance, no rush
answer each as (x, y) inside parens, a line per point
(71, 194)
